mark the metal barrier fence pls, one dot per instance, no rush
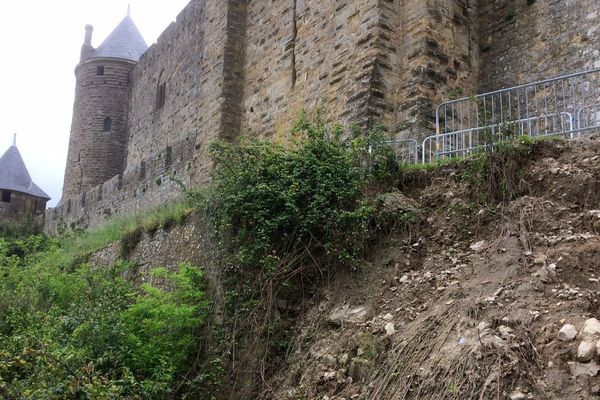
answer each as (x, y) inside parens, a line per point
(567, 105)
(563, 94)
(461, 143)
(401, 151)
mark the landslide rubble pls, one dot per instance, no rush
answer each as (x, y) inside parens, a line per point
(478, 301)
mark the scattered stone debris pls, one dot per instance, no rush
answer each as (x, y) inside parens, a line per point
(346, 314)
(445, 303)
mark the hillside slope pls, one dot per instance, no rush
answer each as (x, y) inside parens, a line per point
(469, 303)
(464, 302)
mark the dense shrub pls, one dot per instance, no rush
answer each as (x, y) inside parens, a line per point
(303, 202)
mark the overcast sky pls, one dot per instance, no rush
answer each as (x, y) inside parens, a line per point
(40, 42)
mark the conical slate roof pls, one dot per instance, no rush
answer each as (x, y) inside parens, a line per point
(14, 175)
(125, 42)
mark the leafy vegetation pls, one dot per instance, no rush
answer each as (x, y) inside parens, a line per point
(78, 332)
(270, 201)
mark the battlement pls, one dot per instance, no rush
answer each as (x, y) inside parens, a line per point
(152, 182)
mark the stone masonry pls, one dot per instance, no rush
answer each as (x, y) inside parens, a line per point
(227, 68)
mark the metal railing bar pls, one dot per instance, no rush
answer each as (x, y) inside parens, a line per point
(557, 78)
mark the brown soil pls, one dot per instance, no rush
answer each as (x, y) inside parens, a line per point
(476, 295)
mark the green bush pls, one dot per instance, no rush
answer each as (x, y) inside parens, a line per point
(161, 324)
(87, 333)
(270, 201)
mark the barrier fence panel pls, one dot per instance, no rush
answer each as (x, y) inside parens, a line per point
(402, 151)
(567, 105)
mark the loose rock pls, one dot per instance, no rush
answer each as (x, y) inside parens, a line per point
(589, 369)
(505, 332)
(390, 329)
(591, 327)
(355, 315)
(567, 333)
(478, 246)
(516, 395)
(586, 351)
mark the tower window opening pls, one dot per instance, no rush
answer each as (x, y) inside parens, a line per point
(107, 125)
(161, 95)
(100, 70)
(6, 196)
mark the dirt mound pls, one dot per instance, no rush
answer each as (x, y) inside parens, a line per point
(469, 305)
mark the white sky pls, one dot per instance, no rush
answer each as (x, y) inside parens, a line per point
(39, 43)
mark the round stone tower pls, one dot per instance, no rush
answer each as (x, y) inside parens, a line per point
(98, 138)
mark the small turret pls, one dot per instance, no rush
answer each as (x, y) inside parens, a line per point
(20, 197)
(87, 50)
(98, 138)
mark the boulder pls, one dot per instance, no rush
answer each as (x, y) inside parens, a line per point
(567, 333)
(586, 351)
(395, 203)
(353, 315)
(591, 327)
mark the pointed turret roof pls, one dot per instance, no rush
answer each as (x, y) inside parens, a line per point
(124, 42)
(14, 174)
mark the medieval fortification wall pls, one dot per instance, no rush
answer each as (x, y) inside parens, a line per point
(232, 67)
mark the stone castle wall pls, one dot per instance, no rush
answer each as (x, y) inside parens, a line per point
(234, 67)
(153, 182)
(361, 61)
(523, 42)
(198, 60)
(20, 207)
(175, 61)
(306, 54)
(427, 49)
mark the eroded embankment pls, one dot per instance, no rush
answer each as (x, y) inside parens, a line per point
(466, 303)
(469, 305)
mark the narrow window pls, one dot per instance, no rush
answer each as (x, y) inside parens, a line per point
(100, 70)
(107, 125)
(160, 98)
(161, 91)
(6, 195)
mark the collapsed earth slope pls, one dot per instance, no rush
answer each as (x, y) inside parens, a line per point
(468, 303)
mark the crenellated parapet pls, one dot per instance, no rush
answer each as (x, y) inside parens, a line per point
(151, 183)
